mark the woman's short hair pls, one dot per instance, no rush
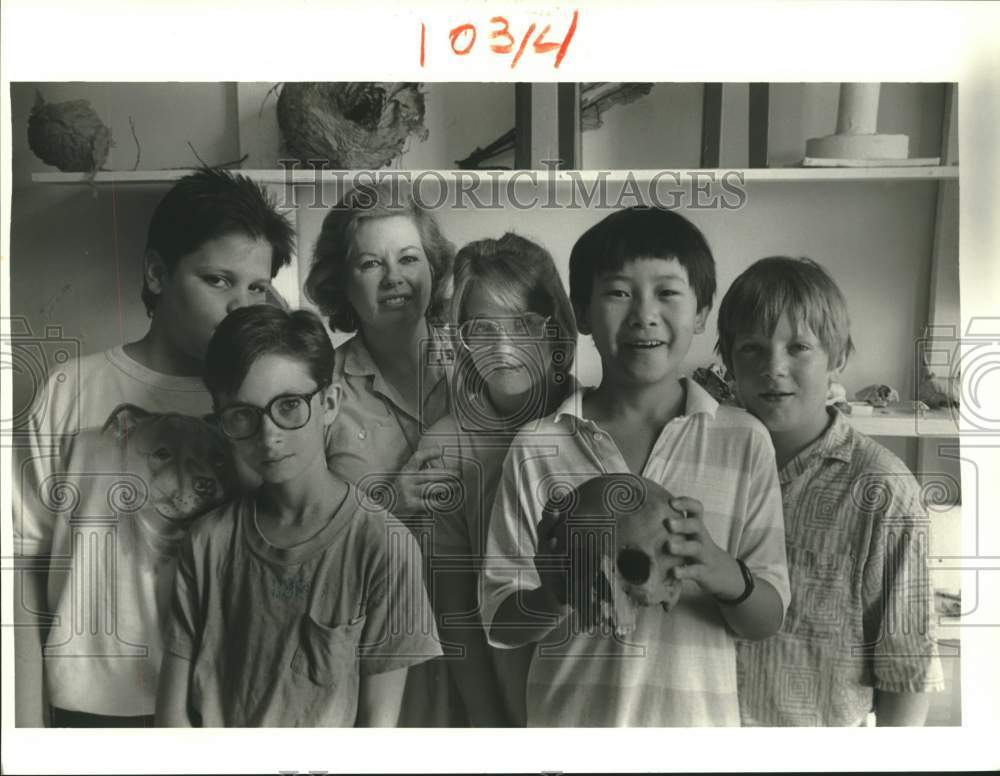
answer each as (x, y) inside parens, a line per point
(776, 286)
(521, 276)
(248, 333)
(326, 285)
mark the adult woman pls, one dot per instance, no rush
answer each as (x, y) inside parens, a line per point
(380, 268)
(517, 339)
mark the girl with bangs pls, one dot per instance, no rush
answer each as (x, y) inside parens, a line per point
(516, 340)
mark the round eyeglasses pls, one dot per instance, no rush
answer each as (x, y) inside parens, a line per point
(481, 332)
(288, 411)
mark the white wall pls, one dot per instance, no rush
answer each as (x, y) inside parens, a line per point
(662, 129)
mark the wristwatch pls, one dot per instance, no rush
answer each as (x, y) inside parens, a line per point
(747, 580)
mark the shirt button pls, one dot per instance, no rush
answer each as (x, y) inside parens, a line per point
(362, 435)
(599, 436)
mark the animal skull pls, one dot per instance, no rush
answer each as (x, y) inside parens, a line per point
(618, 544)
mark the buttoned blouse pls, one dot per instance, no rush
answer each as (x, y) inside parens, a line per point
(375, 432)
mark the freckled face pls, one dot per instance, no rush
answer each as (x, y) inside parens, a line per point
(643, 318)
(783, 379)
(390, 276)
(204, 286)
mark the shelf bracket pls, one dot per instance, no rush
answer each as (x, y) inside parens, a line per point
(711, 126)
(757, 123)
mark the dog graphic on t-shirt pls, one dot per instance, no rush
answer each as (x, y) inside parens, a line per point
(178, 466)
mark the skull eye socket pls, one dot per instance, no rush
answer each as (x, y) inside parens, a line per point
(634, 565)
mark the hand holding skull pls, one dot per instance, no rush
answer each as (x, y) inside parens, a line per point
(714, 569)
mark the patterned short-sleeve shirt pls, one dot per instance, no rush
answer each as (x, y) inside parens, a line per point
(861, 613)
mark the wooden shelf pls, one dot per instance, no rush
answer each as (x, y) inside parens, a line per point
(751, 175)
(892, 422)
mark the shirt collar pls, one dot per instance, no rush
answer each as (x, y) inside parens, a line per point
(696, 401)
(836, 443)
(358, 360)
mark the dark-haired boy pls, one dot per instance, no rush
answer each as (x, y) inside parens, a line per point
(641, 283)
(295, 604)
(214, 243)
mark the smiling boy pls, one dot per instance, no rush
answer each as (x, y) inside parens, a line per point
(858, 632)
(214, 244)
(642, 282)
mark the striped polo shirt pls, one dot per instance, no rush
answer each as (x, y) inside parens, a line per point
(676, 668)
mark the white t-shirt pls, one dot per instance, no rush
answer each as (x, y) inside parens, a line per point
(676, 668)
(91, 473)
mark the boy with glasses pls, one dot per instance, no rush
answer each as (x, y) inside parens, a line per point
(294, 605)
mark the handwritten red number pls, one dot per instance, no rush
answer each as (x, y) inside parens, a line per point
(454, 35)
(503, 32)
(541, 46)
(423, 38)
(569, 36)
(524, 42)
(502, 41)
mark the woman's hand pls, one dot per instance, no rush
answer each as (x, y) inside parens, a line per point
(714, 569)
(413, 481)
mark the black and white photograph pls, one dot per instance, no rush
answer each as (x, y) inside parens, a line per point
(461, 406)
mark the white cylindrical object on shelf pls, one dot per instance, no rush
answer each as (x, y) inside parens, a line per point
(858, 147)
(857, 112)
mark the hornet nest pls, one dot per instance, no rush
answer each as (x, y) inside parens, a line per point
(68, 135)
(349, 125)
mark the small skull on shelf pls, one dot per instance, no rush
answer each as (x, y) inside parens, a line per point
(613, 531)
(878, 395)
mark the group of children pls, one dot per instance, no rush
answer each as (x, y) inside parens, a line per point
(294, 599)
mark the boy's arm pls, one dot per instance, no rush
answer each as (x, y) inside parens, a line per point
(899, 603)
(380, 697)
(172, 692)
(34, 526)
(901, 709)
(180, 639)
(757, 616)
(29, 598)
(519, 603)
(398, 629)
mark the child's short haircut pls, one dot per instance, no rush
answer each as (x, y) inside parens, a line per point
(327, 281)
(641, 233)
(210, 204)
(772, 287)
(520, 275)
(248, 333)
